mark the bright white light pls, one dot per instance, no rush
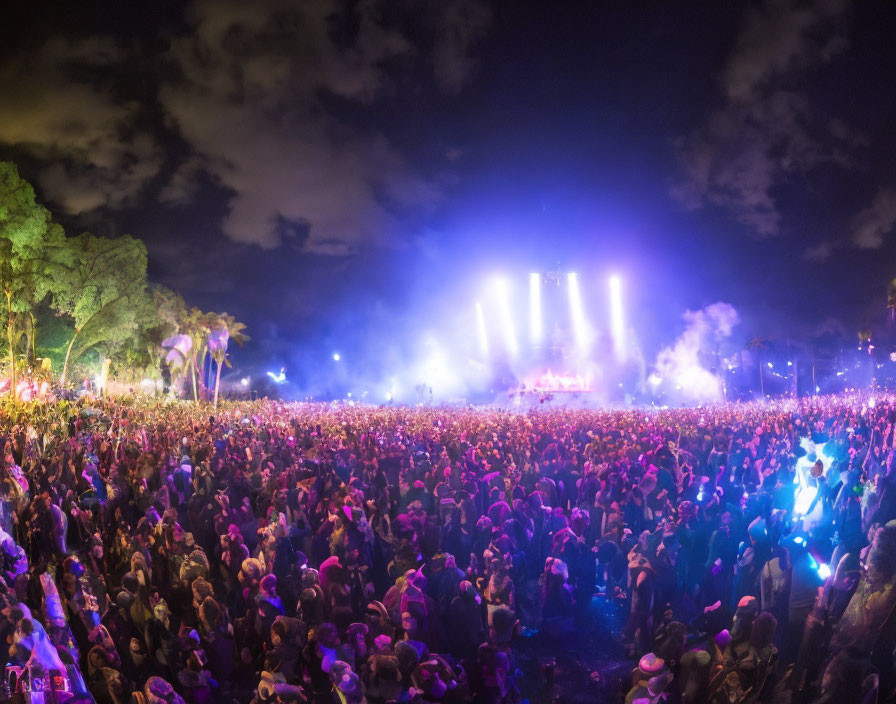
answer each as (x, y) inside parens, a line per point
(617, 319)
(799, 540)
(349, 394)
(388, 397)
(279, 378)
(535, 308)
(804, 498)
(871, 403)
(818, 389)
(480, 329)
(336, 356)
(789, 364)
(577, 313)
(502, 290)
(771, 366)
(244, 382)
(824, 571)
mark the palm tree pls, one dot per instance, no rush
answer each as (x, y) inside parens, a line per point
(176, 355)
(226, 328)
(197, 325)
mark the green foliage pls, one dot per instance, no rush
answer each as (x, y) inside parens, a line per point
(32, 256)
(31, 244)
(86, 297)
(104, 292)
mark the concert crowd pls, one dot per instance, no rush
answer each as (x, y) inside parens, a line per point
(163, 552)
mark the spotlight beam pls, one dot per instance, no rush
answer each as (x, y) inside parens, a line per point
(617, 318)
(577, 314)
(503, 292)
(535, 329)
(481, 329)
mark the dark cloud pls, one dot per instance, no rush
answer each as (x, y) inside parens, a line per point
(873, 224)
(767, 130)
(458, 27)
(58, 107)
(255, 97)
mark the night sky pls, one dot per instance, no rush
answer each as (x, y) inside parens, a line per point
(336, 174)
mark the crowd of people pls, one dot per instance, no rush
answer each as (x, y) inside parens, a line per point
(164, 552)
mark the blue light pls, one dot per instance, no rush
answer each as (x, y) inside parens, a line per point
(799, 540)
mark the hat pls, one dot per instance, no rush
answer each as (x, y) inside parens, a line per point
(378, 608)
(251, 570)
(748, 602)
(160, 691)
(722, 638)
(651, 665)
(268, 683)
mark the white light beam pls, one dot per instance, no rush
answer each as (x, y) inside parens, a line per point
(617, 319)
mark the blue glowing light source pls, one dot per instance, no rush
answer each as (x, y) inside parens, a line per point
(824, 571)
(336, 356)
(799, 540)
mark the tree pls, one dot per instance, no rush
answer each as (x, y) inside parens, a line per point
(226, 328)
(103, 291)
(197, 325)
(32, 256)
